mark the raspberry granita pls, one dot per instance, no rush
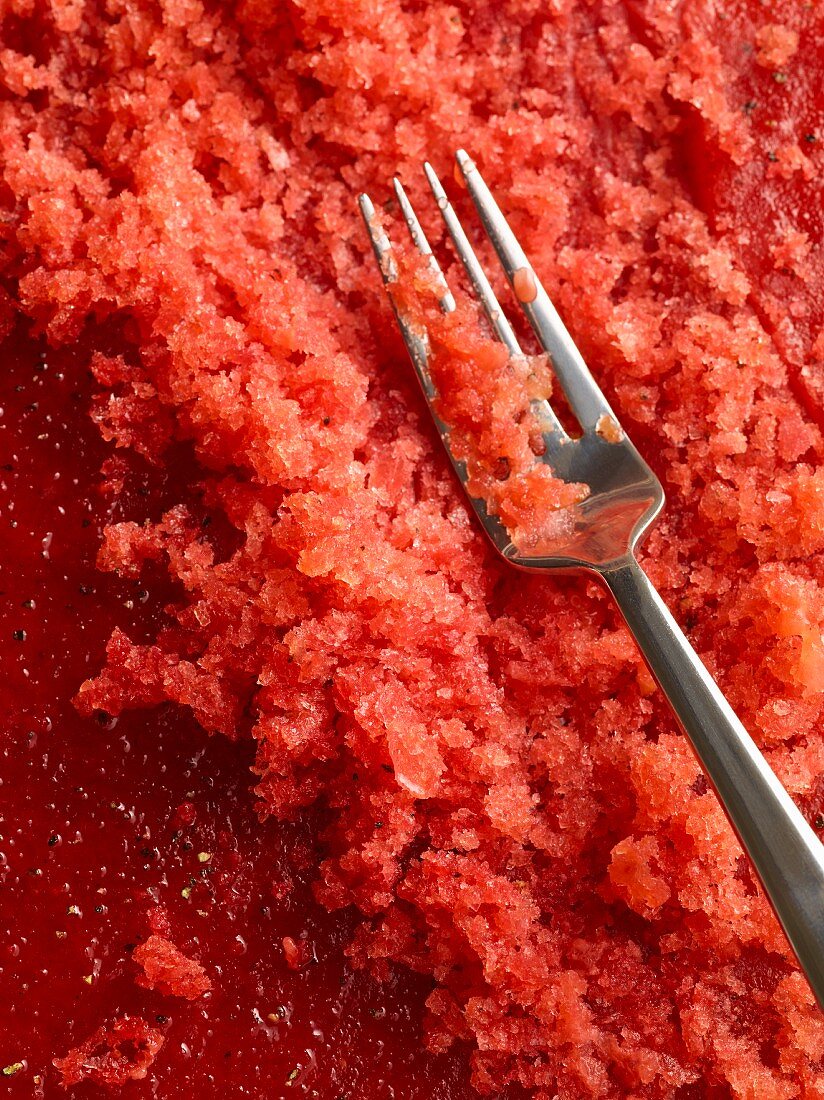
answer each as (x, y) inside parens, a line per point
(499, 798)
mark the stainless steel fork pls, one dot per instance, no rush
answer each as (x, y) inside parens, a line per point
(624, 499)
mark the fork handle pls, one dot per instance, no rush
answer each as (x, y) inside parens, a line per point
(787, 855)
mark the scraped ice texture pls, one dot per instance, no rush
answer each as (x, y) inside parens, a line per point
(511, 807)
(115, 1054)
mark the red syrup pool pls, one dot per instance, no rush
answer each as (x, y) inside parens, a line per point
(105, 824)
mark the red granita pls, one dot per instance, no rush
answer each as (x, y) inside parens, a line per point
(506, 801)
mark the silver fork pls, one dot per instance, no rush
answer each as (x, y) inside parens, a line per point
(624, 499)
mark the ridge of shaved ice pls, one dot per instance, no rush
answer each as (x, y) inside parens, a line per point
(511, 808)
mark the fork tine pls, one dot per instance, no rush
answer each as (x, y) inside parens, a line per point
(381, 244)
(582, 392)
(447, 302)
(480, 283)
(416, 339)
(497, 318)
(417, 344)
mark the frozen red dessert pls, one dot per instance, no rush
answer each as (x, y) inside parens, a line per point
(501, 798)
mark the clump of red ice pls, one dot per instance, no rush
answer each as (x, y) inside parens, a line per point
(526, 825)
(168, 970)
(115, 1054)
